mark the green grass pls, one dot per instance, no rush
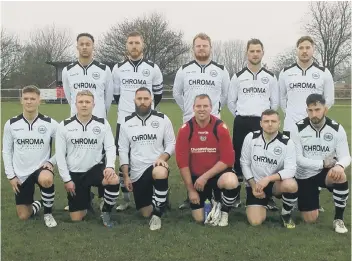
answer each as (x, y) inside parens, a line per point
(179, 238)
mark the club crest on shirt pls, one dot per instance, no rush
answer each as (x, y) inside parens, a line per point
(316, 75)
(42, 129)
(96, 130)
(146, 72)
(328, 136)
(277, 151)
(96, 75)
(265, 80)
(213, 73)
(203, 138)
(155, 124)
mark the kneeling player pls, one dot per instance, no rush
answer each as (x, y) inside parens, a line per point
(80, 144)
(322, 156)
(204, 155)
(268, 161)
(149, 137)
(26, 153)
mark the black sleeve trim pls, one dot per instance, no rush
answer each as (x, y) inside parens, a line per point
(101, 120)
(127, 118)
(187, 64)
(159, 114)
(268, 72)
(71, 65)
(218, 65)
(240, 72)
(148, 62)
(17, 118)
(289, 67)
(100, 65)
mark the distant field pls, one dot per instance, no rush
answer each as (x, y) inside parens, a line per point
(179, 239)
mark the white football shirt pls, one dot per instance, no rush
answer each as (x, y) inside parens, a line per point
(128, 77)
(96, 77)
(296, 85)
(79, 147)
(313, 146)
(250, 94)
(260, 159)
(193, 79)
(27, 146)
(145, 140)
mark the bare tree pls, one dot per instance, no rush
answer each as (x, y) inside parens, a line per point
(231, 53)
(283, 60)
(11, 53)
(52, 43)
(330, 26)
(45, 44)
(163, 46)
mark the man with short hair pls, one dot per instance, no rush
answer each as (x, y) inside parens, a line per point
(268, 163)
(80, 146)
(200, 76)
(134, 72)
(146, 143)
(252, 90)
(205, 156)
(322, 156)
(27, 157)
(88, 74)
(301, 79)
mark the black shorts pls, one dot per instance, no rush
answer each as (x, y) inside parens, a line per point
(27, 188)
(83, 182)
(143, 189)
(308, 191)
(209, 188)
(253, 201)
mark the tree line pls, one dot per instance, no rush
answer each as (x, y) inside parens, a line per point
(25, 63)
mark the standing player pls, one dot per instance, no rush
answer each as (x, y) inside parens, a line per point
(128, 76)
(252, 90)
(146, 143)
(322, 157)
(80, 143)
(200, 76)
(205, 157)
(301, 79)
(88, 74)
(26, 152)
(268, 163)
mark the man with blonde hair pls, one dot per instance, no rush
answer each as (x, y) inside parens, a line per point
(80, 146)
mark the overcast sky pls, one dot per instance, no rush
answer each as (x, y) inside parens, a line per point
(277, 24)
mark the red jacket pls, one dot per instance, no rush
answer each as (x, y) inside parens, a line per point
(204, 150)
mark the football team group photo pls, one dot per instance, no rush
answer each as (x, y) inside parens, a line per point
(123, 154)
